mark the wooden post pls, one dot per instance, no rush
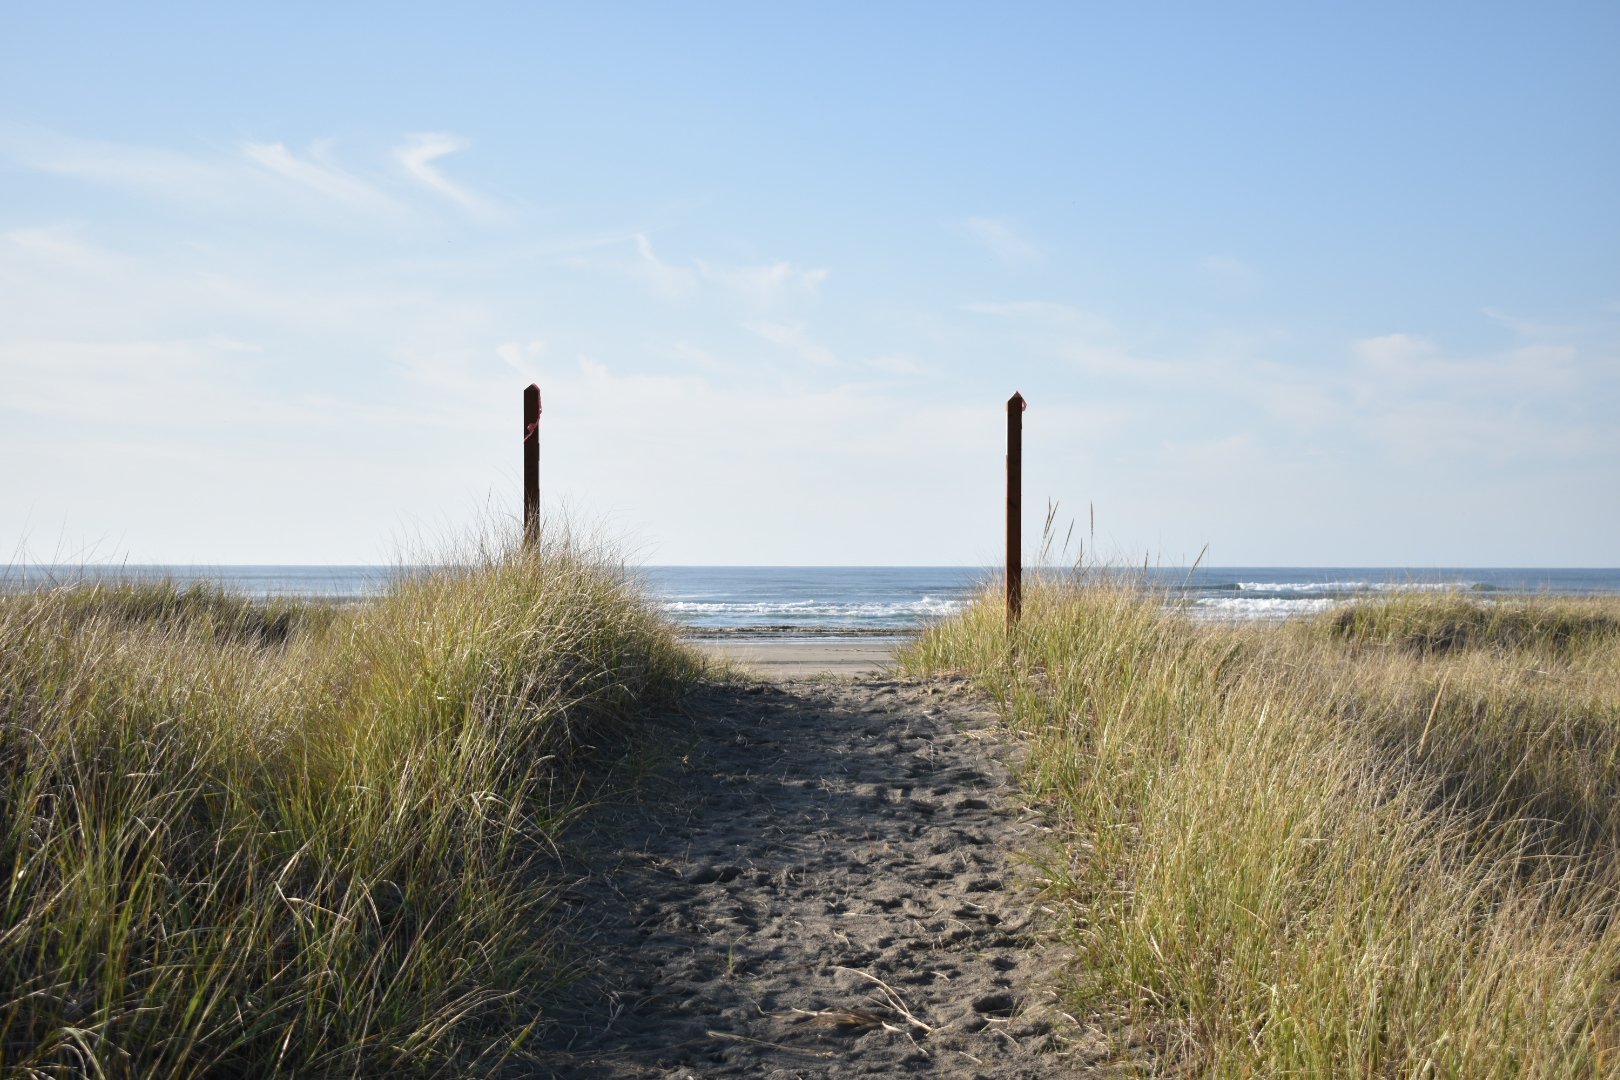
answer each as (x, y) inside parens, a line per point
(1015, 500)
(531, 465)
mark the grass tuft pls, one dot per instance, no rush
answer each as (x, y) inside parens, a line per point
(260, 839)
(1384, 842)
(1451, 622)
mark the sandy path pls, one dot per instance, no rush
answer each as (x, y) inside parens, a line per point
(823, 886)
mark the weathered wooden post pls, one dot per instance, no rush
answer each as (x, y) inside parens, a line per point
(1015, 500)
(531, 465)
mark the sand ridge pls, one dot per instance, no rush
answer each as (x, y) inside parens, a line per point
(825, 884)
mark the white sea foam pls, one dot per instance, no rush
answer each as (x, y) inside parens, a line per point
(1353, 586)
(1249, 609)
(925, 607)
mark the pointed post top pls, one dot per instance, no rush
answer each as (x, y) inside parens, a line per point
(1017, 399)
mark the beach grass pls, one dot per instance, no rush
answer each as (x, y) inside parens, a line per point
(261, 839)
(1384, 841)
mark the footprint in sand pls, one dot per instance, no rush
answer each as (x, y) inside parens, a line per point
(836, 895)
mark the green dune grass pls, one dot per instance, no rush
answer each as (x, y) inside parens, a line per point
(247, 839)
(1384, 842)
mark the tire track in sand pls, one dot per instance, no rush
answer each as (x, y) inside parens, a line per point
(825, 884)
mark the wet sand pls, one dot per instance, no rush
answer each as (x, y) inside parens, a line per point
(800, 658)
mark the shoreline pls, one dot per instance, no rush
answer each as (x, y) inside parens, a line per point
(784, 632)
(801, 657)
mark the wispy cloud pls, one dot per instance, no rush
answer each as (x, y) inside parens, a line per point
(129, 384)
(1534, 329)
(666, 279)
(1084, 339)
(252, 177)
(1002, 240)
(1044, 313)
(698, 357)
(522, 357)
(417, 157)
(57, 284)
(318, 175)
(1395, 354)
(796, 340)
(171, 175)
(766, 283)
(65, 247)
(1401, 365)
(900, 364)
(762, 286)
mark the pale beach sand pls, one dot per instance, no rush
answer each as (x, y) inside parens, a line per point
(795, 659)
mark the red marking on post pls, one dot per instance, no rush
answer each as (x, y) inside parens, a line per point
(531, 427)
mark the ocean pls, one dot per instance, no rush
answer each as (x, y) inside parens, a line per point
(886, 601)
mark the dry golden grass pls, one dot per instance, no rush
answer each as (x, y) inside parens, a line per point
(242, 839)
(1379, 843)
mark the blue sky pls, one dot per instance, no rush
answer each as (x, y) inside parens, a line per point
(1310, 286)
